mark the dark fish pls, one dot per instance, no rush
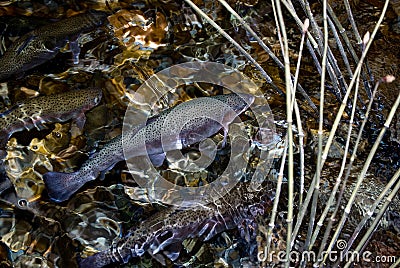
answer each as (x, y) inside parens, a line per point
(161, 134)
(163, 233)
(53, 108)
(43, 43)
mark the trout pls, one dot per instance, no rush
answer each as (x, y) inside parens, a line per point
(44, 43)
(163, 233)
(175, 128)
(47, 109)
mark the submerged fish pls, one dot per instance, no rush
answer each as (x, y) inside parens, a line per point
(174, 128)
(163, 233)
(43, 43)
(53, 108)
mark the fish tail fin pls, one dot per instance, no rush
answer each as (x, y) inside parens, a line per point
(60, 186)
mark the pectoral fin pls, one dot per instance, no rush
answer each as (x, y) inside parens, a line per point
(172, 251)
(103, 173)
(225, 140)
(75, 49)
(157, 159)
(80, 121)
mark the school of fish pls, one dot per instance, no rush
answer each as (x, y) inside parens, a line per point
(197, 120)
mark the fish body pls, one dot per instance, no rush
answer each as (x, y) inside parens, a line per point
(43, 43)
(53, 108)
(175, 128)
(163, 233)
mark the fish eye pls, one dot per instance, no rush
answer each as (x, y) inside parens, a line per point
(57, 134)
(22, 202)
(34, 147)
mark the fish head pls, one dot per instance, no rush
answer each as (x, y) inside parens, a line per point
(245, 101)
(233, 105)
(211, 114)
(238, 102)
(92, 96)
(76, 103)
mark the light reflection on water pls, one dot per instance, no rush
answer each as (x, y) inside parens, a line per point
(40, 233)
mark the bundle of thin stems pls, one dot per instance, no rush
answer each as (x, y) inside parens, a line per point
(317, 44)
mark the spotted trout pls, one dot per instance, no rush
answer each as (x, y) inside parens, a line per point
(43, 43)
(45, 109)
(174, 128)
(162, 234)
